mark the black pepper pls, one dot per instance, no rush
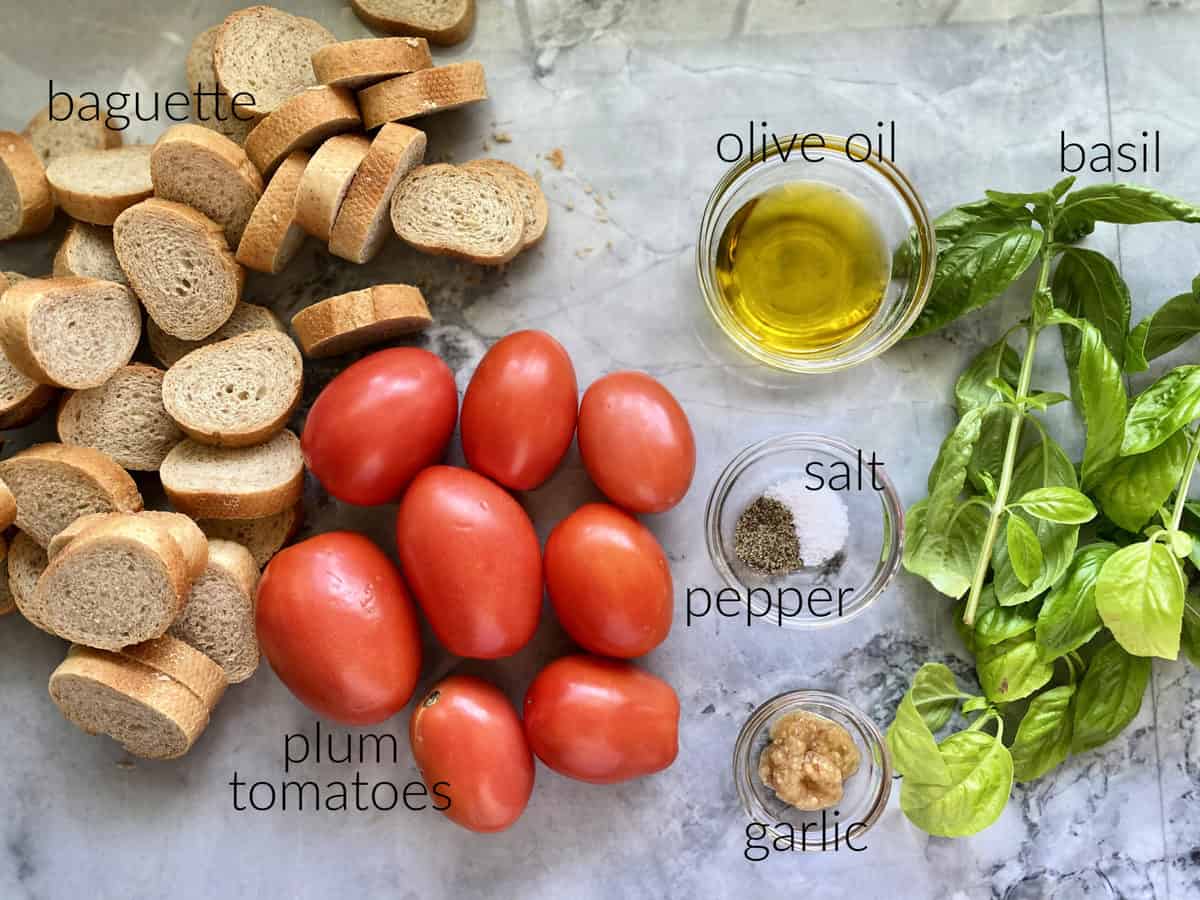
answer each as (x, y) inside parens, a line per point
(764, 538)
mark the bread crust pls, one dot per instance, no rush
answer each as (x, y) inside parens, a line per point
(8, 511)
(533, 201)
(452, 34)
(62, 257)
(192, 542)
(25, 561)
(422, 93)
(279, 529)
(200, 71)
(228, 562)
(168, 349)
(272, 236)
(326, 181)
(300, 124)
(360, 318)
(94, 207)
(210, 503)
(357, 64)
(184, 663)
(34, 195)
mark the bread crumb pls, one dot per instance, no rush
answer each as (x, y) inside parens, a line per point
(583, 252)
(587, 188)
(126, 764)
(501, 137)
(486, 147)
(570, 207)
(556, 158)
(609, 247)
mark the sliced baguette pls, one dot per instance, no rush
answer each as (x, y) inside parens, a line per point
(180, 660)
(217, 114)
(533, 201)
(262, 537)
(123, 418)
(87, 252)
(219, 617)
(440, 21)
(236, 393)
(8, 508)
(267, 53)
(21, 398)
(151, 715)
(301, 123)
(422, 93)
(74, 530)
(180, 266)
(357, 64)
(208, 482)
(326, 181)
(7, 603)
(68, 133)
(273, 236)
(360, 318)
(26, 201)
(191, 541)
(96, 186)
(26, 563)
(208, 172)
(168, 349)
(55, 484)
(360, 229)
(456, 211)
(69, 332)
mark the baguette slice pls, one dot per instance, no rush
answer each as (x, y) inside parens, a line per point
(121, 581)
(360, 318)
(357, 64)
(219, 617)
(87, 252)
(150, 715)
(21, 398)
(208, 172)
(273, 236)
(533, 201)
(262, 537)
(180, 267)
(96, 186)
(26, 563)
(191, 541)
(326, 181)
(360, 229)
(217, 114)
(26, 201)
(236, 393)
(68, 133)
(301, 123)
(440, 21)
(422, 93)
(462, 212)
(207, 482)
(55, 484)
(267, 53)
(69, 332)
(8, 508)
(74, 530)
(186, 664)
(123, 418)
(169, 349)
(7, 603)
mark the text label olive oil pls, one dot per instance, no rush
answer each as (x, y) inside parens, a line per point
(802, 267)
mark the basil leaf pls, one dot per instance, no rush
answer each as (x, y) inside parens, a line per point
(972, 389)
(1182, 544)
(1134, 488)
(984, 259)
(949, 471)
(1122, 204)
(1044, 736)
(981, 774)
(1164, 408)
(935, 694)
(1109, 697)
(946, 561)
(995, 623)
(975, 704)
(1140, 595)
(910, 737)
(1043, 400)
(1190, 639)
(1068, 617)
(1102, 399)
(1012, 669)
(1024, 551)
(1087, 285)
(1173, 324)
(1064, 505)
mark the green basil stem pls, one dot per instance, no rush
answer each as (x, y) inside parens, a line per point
(1000, 502)
(1186, 484)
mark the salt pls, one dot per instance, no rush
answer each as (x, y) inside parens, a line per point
(822, 524)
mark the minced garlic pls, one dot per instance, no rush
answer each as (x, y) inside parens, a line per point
(808, 760)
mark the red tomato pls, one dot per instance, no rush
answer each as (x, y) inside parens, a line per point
(337, 625)
(601, 720)
(472, 558)
(636, 442)
(518, 414)
(609, 581)
(379, 423)
(467, 735)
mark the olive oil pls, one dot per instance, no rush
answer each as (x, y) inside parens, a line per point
(802, 267)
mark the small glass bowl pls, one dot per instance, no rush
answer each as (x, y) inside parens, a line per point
(874, 545)
(892, 202)
(865, 793)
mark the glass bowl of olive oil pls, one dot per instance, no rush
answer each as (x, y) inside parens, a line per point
(815, 266)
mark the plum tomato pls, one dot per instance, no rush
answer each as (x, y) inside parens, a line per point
(636, 442)
(609, 582)
(473, 560)
(379, 423)
(337, 625)
(601, 720)
(519, 411)
(466, 735)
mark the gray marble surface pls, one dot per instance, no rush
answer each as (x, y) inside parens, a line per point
(635, 92)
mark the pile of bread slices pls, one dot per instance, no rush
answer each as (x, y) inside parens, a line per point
(159, 606)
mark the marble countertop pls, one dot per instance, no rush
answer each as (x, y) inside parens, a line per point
(636, 93)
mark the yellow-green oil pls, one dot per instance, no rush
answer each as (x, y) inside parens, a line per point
(802, 267)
